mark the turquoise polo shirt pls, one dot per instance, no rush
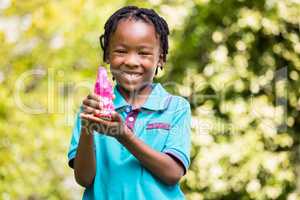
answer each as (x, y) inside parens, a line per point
(163, 123)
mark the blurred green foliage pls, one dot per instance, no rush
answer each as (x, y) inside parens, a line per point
(241, 63)
(237, 62)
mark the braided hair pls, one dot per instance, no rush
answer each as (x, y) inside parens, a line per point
(133, 12)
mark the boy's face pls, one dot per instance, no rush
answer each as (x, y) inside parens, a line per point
(134, 54)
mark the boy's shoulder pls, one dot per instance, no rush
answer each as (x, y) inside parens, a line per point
(175, 99)
(178, 102)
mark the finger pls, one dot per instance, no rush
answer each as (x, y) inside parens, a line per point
(116, 117)
(98, 124)
(92, 118)
(92, 103)
(97, 100)
(99, 120)
(97, 112)
(94, 97)
(86, 116)
(88, 109)
(101, 104)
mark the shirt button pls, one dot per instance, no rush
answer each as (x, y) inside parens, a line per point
(131, 119)
(128, 109)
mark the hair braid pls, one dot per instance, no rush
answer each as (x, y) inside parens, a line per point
(147, 15)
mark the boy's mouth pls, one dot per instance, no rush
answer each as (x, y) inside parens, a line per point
(131, 75)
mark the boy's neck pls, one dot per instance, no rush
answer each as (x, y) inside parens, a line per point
(138, 97)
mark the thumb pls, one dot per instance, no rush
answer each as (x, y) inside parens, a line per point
(116, 117)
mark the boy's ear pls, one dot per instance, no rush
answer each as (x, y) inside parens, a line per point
(106, 59)
(161, 61)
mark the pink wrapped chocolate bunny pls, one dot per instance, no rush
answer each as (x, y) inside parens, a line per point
(104, 89)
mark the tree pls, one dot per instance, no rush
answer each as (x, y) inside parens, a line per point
(49, 53)
(238, 62)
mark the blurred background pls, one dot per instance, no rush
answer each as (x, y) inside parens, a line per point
(236, 61)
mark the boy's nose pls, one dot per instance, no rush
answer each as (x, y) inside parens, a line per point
(131, 60)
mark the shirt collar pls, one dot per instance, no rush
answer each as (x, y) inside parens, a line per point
(119, 100)
(158, 99)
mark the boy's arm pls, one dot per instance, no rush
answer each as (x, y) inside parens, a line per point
(160, 164)
(85, 162)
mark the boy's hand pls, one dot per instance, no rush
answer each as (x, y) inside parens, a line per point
(92, 104)
(115, 128)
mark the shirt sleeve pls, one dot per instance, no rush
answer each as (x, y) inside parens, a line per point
(74, 139)
(178, 143)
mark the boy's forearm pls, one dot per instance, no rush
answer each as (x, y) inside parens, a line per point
(160, 164)
(84, 162)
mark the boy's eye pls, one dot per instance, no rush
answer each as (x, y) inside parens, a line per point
(120, 51)
(145, 53)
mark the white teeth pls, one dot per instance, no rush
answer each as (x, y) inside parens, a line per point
(131, 75)
(134, 75)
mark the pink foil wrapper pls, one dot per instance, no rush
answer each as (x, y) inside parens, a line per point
(104, 89)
